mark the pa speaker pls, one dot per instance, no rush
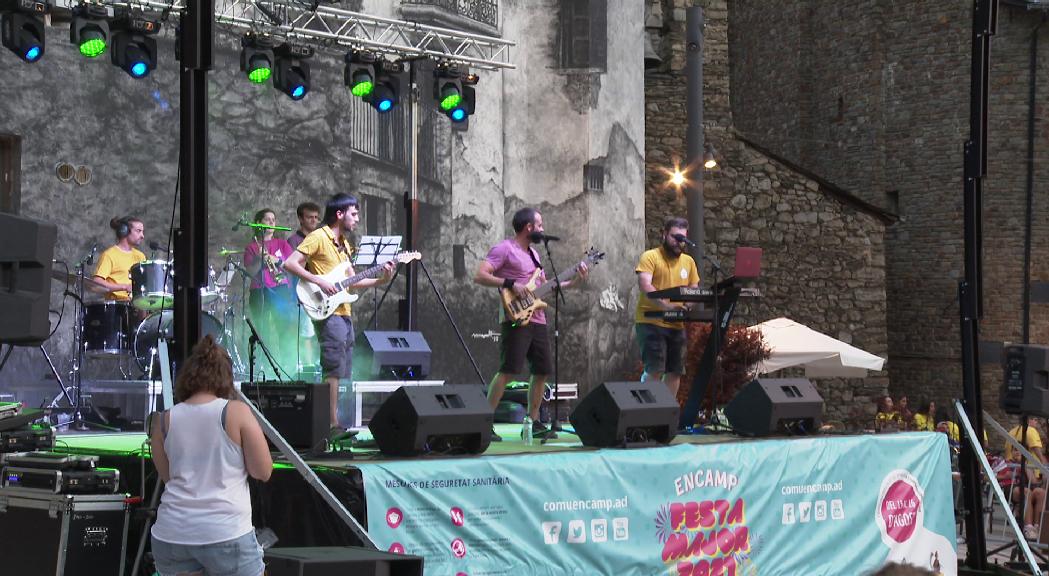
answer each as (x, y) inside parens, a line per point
(339, 561)
(396, 355)
(626, 413)
(776, 405)
(26, 249)
(298, 410)
(449, 419)
(1025, 387)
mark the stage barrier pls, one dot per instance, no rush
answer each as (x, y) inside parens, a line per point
(809, 506)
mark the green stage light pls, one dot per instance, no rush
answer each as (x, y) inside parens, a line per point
(360, 73)
(89, 30)
(256, 58)
(259, 69)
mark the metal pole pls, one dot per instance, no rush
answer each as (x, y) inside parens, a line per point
(411, 204)
(196, 37)
(693, 186)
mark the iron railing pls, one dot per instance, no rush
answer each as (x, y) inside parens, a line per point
(483, 11)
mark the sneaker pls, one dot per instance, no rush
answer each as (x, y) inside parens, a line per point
(339, 434)
(496, 437)
(1030, 532)
(542, 432)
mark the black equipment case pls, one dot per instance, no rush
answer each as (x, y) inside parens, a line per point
(62, 534)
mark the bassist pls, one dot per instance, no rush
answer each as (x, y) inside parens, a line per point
(320, 252)
(511, 264)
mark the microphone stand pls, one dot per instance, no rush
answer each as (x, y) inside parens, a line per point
(256, 339)
(559, 297)
(715, 337)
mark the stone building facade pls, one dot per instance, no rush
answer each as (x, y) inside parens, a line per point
(875, 98)
(560, 135)
(824, 261)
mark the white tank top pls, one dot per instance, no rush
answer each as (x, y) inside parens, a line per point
(207, 500)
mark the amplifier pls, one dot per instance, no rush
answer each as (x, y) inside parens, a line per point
(94, 481)
(298, 410)
(26, 440)
(51, 460)
(62, 534)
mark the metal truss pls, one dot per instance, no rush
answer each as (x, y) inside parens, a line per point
(325, 26)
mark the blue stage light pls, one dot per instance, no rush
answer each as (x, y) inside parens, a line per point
(385, 104)
(139, 69)
(458, 115)
(298, 92)
(33, 54)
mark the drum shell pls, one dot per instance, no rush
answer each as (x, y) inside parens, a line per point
(151, 282)
(108, 327)
(163, 324)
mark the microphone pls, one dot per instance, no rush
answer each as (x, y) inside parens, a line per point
(154, 245)
(684, 240)
(90, 258)
(540, 237)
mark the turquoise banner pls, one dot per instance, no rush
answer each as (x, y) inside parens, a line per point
(811, 506)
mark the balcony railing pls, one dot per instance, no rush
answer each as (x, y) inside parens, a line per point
(483, 11)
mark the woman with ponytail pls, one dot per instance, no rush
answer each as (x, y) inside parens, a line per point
(204, 448)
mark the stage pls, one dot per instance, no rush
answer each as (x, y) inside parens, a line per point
(704, 504)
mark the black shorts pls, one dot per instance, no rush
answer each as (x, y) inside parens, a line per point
(529, 342)
(662, 349)
(335, 335)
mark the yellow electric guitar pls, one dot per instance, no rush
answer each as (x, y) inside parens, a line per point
(319, 305)
(519, 309)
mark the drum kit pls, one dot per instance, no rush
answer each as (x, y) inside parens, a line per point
(134, 328)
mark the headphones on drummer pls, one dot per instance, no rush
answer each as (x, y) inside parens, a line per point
(123, 227)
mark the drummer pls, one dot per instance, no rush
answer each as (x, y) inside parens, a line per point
(114, 264)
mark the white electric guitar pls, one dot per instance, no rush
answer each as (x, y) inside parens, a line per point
(319, 305)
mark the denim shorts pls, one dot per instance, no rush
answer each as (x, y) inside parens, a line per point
(238, 557)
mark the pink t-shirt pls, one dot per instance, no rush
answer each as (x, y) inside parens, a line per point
(509, 261)
(277, 247)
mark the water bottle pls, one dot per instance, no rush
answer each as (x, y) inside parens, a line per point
(526, 431)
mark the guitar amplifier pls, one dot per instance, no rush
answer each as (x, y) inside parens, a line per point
(62, 534)
(298, 410)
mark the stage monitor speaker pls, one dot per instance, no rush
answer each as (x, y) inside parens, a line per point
(776, 405)
(339, 561)
(26, 249)
(396, 355)
(625, 414)
(298, 410)
(1025, 387)
(449, 419)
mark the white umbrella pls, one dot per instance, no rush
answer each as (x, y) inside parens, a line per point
(795, 344)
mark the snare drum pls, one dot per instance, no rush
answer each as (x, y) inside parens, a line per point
(107, 328)
(151, 285)
(162, 325)
(211, 292)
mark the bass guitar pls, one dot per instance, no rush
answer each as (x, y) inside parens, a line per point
(520, 309)
(319, 305)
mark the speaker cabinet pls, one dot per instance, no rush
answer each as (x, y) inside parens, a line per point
(776, 405)
(1025, 386)
(625, 414)
(395, 355)
(26, 249)
(339, 561)
(449, 419)
(298, 410)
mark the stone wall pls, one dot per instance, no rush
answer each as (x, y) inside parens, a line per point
(534, 131)
(876, 100)
(823, 260)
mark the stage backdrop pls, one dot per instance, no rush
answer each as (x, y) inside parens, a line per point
(821, 506)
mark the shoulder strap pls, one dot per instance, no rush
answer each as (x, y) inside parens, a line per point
(165, 422)
(224, 410)
(531, 254)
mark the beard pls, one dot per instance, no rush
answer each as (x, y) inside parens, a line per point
(672, 250)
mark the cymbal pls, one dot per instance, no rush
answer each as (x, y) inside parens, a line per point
(68, 278)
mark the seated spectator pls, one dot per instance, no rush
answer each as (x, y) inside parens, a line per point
(906, 416)
(887, 418)
(947, 426)
(1036, 494)
(925, 418)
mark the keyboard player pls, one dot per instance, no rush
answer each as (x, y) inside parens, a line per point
(662, 342)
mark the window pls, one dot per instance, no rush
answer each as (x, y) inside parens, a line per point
(584, 34)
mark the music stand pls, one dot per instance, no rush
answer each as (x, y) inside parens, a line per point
(372, 251)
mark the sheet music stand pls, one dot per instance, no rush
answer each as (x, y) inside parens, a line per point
(375, 250)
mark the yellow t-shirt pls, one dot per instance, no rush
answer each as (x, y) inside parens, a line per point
(323, 255)
(924, 423)
(114, 265)
(666, 273)
(1033, 443)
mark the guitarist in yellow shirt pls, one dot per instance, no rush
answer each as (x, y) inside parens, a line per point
(320, 252)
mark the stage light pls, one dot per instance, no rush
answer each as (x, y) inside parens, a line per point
(465, 108)
(89, 30)
(134, 51)
(291, 72)
(710, 157)
(447, 87)
(256, 58)
(387, 91)
(22, 29)
(359, 74)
